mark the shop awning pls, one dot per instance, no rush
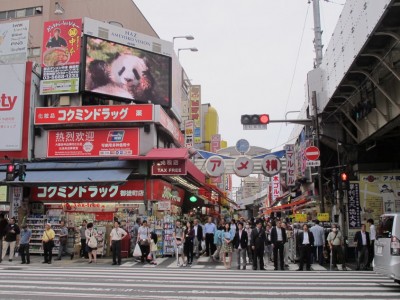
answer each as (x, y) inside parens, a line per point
(167, 153)
(75, 173)
(73, 177)
(296, 202)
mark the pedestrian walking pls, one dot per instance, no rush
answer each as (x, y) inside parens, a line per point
(241, 242)
(48, 243)
(335, 241)
(249, 251)
(363, 243)
(134, 233)
(227, 245)
(116, 235)
(179, 238)
(372, 237)
(83, 253)
(63, 240)
(198, 237)
(268, 245)
(91, 245)
(305, 241)
(153, 248)
(25, 238)
(319, 242)
(10, 239)
(258, 239)
(3, 227)
(189, 237)
(218, 238)
(209, 231)
(144, 238)
(278, 239)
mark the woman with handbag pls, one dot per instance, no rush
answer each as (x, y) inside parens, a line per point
(144, 240)
(227, 245)
(91, 243)
(48, 243)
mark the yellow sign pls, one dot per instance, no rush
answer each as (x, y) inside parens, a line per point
(3, 193)
(323, 217)
(300, 217)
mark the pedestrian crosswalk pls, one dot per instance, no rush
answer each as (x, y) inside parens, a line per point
(124, 282)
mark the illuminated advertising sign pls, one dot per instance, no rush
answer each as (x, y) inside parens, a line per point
(94, 114)
(127, 73)
(93, 142)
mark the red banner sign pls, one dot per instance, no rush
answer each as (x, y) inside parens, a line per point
(133, 190)
(94, 114)
(93, 142)
(169, 167)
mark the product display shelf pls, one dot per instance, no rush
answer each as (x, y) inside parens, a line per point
(160, 241)
(36, 225)
(168, 245)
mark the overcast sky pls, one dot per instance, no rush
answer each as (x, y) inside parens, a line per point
(247, 56)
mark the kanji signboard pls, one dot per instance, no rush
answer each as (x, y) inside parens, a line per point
(93, 142)
(271, 165)
(290, 165)
(94, 114)
(354, 207)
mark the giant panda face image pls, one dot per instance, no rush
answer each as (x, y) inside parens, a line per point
(127, 70)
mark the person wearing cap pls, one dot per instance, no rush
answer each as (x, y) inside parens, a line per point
(24, 241)
(48, 243)
(10, 240)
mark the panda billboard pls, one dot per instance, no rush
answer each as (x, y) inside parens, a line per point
(126, 65)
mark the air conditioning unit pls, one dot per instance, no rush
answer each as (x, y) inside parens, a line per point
(38, 10)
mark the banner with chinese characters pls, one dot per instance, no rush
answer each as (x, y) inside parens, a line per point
(354, 207)
(61, 53)
(276, 187)
(189, 131)
(93, 142)
(94, 114)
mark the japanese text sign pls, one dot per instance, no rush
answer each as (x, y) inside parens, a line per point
(94, 114)
(271, 165)
(354, 211)
(132, 190)
(93, 142)
(169, 167)
(215, 166)
(243, 166)
(276, 187)
(290, 165)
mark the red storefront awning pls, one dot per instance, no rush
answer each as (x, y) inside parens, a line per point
(167, 153)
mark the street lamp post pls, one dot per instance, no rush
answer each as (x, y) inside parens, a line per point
(193, 49)
(188, 37)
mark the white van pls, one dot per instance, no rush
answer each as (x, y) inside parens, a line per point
(387, 246)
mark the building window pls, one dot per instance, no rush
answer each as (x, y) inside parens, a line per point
(21, 13)
(34, 52)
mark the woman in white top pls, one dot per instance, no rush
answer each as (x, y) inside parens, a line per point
(144, 240)
(92, 251)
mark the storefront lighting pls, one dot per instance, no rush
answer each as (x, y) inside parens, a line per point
(184, 183)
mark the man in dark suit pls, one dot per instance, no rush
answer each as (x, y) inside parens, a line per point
(278, 239)
(305, 240)
(363, 242)
(240, 242)
(198, 233)
(258, 239)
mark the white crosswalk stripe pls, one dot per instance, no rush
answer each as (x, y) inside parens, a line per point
(122, 282)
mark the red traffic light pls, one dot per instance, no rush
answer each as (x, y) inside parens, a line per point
(264, 119)
(344, 176)
(10, 168)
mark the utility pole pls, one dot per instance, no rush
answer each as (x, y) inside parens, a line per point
(317, 33)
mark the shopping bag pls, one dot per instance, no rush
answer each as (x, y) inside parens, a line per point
(137, 252)
(203, 245)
